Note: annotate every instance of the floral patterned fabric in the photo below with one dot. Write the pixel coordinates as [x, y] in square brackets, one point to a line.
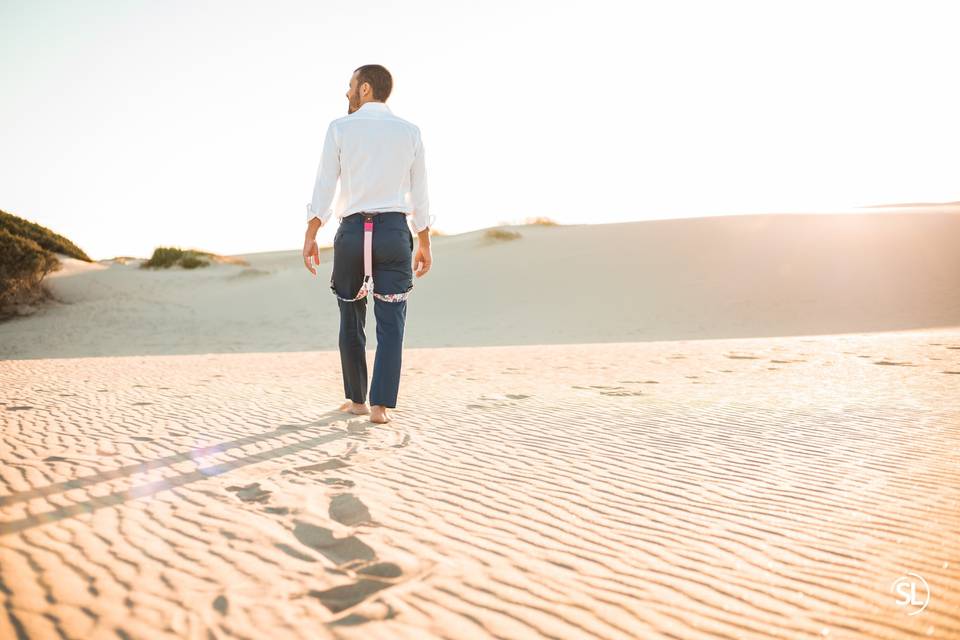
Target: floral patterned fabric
[392, 297]
[366, 287]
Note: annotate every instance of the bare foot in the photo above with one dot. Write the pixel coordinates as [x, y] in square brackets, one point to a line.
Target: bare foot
[356, 408]
[378, 414]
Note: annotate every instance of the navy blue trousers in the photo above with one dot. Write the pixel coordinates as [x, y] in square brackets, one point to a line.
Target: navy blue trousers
[392, 273]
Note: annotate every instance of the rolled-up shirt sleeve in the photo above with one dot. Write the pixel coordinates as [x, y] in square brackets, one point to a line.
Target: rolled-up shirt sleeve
[418, 189]
[328, 173]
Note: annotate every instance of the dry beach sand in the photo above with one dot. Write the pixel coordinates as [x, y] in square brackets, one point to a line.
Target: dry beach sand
[723, 277]
[705, 489]
[573, 481]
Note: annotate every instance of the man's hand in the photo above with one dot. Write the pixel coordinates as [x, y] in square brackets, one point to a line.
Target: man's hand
[423, 260]
[311, 255]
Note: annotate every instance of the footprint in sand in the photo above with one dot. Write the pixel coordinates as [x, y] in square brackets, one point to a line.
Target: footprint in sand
[19, 407]
[364, 445]
[293, 553]
[372, 577]
[351, 557]
[381, 570]
[370, 439]
[895, 364]
[338, 482]
[404, 441]
[347, 509]
[734, 356]
[345, 596]
[250, 493]
[340, 551]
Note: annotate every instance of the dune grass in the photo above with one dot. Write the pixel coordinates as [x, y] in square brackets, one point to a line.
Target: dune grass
[23, 263]
[166, 257]
[26, 256]
[500, 234]
[44, 237]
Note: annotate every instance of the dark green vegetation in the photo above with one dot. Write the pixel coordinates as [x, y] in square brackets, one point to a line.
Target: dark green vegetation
[27, 255]
[501, 234]
[166, 257]
[45, 238]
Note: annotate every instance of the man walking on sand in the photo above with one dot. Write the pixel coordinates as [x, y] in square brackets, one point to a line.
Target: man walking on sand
[379, 161]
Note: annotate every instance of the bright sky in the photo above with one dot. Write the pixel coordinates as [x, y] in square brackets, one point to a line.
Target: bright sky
[125, 125]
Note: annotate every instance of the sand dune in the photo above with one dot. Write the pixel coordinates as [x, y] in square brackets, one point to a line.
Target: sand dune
[761, 488]
[637, 482]
[697, 278]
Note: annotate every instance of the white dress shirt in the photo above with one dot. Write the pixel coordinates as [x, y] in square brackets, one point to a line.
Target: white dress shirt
[378, 158]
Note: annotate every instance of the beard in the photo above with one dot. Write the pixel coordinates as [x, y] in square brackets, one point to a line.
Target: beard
[353, 105]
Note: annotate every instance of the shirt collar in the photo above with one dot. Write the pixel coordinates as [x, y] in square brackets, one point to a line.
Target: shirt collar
[373, 105]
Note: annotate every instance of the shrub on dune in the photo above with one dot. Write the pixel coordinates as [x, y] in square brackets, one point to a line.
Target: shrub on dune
[166, 257]
[192, 262]
[45, 238]
[23, 264]
[501, 234]
[27, 254]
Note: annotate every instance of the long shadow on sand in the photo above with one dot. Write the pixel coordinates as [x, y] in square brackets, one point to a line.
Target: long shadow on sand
[150, 488]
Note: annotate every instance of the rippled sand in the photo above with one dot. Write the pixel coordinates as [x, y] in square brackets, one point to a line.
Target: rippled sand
[744, 488]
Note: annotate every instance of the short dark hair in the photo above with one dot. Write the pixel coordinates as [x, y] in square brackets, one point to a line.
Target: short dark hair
[379, 78]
